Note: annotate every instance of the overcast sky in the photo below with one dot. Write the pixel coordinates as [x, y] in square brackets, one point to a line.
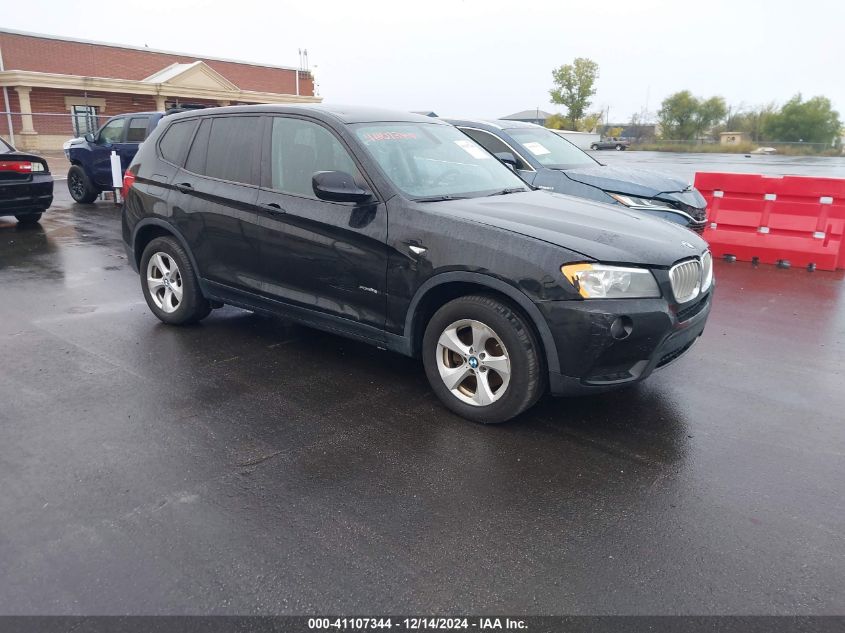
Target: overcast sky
[488, 58]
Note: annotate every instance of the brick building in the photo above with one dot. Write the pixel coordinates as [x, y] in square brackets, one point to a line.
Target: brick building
[57, 88]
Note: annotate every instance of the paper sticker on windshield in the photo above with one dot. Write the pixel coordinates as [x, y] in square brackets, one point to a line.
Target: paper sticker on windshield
[389, 136]
[472, 149]
[536, 148]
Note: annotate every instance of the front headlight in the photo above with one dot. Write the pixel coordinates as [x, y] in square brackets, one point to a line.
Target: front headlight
[633, 202]
[597, 281]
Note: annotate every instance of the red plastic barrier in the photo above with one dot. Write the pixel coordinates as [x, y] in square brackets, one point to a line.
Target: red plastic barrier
[791, 219]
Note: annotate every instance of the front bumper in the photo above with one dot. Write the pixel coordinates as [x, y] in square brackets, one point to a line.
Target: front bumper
[33, 195]
[593, 360]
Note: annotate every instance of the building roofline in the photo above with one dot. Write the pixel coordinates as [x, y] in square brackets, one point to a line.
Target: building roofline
[62, 38]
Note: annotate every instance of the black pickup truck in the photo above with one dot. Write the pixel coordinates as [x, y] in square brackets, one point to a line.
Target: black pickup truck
[611, 143]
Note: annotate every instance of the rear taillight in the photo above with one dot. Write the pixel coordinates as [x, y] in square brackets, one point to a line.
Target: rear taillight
[128, 181]
[20, 166]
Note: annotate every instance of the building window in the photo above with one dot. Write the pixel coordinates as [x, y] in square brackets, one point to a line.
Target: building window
[84, 119]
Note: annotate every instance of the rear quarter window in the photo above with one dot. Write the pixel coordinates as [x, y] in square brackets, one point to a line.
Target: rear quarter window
[173, 145]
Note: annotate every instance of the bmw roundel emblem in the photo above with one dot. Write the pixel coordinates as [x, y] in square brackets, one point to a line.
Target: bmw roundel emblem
[687, 244]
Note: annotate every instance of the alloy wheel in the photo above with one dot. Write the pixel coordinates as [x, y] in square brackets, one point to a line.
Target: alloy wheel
[77, 187]
[164, 282]
[473, 362]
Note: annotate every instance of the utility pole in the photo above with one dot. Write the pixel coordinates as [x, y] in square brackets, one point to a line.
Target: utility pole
[6, 100]
[298, 68]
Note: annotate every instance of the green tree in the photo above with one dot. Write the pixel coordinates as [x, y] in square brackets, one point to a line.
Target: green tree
[677, 116]
[709, 113]
[812, 121]
[574, 84]
[589, 122]
[752, 122]
[683, 116]
[557, 122]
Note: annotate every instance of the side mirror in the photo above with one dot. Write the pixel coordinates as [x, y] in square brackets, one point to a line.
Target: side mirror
[338, 186]
[508, 159]
[90, 137]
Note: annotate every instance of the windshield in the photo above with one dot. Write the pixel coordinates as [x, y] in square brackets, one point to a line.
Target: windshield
[431, 161]
[550, 149]
[5, 148]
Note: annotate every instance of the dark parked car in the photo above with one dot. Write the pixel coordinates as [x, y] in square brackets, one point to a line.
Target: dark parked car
[397, 230]
[90, 156]
[548, 161]
[611, 143]
[26, 185]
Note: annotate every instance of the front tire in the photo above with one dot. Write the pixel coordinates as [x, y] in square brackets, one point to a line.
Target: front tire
[80, 187]
[170, 284]
[28, 219]
[619, 148]
[482, 359]
[594, 147]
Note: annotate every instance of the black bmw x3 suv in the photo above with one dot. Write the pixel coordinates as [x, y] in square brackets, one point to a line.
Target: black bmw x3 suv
[399, 230]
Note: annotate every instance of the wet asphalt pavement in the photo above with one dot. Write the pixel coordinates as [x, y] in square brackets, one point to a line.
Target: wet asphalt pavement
[685, 165]
[247, 465]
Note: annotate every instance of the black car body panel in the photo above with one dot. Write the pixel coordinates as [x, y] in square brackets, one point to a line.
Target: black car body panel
[24, 193]
[597, 231]
[592, 180]
[376, 270]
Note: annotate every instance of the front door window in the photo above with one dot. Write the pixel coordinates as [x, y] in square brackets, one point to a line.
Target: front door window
[112, 132]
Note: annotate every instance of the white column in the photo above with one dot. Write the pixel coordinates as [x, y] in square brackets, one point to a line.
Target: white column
[26, 109]
[223, 103]
[160, 103]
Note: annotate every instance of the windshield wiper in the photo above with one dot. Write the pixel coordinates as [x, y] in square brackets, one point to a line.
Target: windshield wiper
[439, 198]
[504, 192]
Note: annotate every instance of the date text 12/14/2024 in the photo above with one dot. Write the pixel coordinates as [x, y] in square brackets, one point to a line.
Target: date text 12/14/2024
[416, 623]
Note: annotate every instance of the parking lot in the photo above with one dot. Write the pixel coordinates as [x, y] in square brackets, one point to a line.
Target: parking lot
[684, 165]
[246, 465]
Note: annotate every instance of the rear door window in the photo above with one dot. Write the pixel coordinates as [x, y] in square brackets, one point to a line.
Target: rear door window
[199, 149]
[232, 148]
[137, 131]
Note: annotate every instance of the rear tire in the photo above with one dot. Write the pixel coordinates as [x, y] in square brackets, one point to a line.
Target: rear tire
[170, 284]
[594, 147]
[80, 187]
[482, 359]
[619, 148]
[28, 218]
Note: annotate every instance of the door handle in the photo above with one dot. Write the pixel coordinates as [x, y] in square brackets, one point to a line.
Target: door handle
[274, 208]
[185, 187]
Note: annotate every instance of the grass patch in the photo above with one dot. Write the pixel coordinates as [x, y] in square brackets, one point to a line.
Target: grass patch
[741, 148]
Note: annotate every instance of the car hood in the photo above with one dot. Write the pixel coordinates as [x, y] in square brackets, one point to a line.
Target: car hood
[595, 230]
[79, 140]
[635, 182]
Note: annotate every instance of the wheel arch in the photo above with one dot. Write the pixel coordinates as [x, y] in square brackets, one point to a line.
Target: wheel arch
[149, 229]
[442, 288]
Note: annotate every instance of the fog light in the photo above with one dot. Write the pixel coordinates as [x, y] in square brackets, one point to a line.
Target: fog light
[621, 328]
